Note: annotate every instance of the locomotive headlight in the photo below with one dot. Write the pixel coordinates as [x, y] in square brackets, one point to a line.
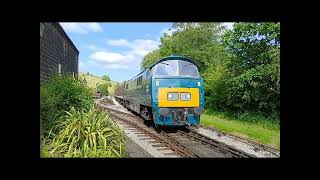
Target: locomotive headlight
[173, 96]
[185, 96]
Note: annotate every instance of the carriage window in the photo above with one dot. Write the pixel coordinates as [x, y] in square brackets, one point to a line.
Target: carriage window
[139, 81]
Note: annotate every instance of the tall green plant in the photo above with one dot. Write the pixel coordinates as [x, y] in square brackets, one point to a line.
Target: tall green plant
[85, 134]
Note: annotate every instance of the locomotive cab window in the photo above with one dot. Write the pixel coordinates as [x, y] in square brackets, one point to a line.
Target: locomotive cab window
[188, 69]
[175, 68]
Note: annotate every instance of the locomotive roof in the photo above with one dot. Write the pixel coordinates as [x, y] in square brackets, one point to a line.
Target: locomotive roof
[174, 57]
[171, 57]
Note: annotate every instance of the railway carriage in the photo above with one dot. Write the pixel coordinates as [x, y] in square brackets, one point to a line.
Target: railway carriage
[170, 92]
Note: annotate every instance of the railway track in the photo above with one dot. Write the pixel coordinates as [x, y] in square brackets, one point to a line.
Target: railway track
[161, 138]
[184, 143]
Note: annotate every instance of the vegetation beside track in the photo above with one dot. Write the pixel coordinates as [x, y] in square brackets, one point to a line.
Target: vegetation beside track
[70, 124]
[248, 126]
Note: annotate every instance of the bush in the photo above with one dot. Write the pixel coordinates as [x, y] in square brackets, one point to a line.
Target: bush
[59, 95]
[104, 88]
[85, 134]
[215, 88]
[255, 90]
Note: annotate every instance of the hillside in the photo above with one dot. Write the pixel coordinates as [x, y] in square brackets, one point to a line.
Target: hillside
[92, 80]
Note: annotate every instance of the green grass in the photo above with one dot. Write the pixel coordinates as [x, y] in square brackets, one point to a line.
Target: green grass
[93, 80]
[248, 126]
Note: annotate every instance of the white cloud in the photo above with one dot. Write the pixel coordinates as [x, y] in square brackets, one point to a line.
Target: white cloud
[119, 42]
[129, 59]
[109, 57]
[92, 47]
[81, 28]
[116, 66]
[141, 47]
[138, 47]
[228, 25]
[112, 61]
[167, 31]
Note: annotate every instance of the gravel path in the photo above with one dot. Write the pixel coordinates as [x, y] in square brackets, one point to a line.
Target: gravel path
[232, 141]
[116, 106]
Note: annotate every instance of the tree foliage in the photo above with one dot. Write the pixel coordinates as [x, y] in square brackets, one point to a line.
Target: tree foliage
[198, 41]
[255, 67]
[103, 88]
[106, 78]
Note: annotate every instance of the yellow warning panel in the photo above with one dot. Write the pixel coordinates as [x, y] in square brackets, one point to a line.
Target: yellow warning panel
[164, 102]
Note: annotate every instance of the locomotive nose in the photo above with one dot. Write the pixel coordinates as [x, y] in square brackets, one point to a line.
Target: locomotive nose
[178, 97]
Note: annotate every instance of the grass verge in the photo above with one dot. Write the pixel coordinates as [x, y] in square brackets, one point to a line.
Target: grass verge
[248, 126]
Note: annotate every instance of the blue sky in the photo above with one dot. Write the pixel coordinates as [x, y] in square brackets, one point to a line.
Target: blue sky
[115, 49]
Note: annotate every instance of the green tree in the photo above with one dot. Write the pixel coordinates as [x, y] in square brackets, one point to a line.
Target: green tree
[103, 88]
[106, 78]
[251, 44]
[150, 58]
[199, 41]
[255, 67]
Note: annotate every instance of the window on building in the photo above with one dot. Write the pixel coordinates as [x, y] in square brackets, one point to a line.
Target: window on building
[65, 51]
[59, 69]
[41, 29]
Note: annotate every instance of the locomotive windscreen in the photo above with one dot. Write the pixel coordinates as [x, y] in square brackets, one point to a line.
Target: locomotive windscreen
[175, 68]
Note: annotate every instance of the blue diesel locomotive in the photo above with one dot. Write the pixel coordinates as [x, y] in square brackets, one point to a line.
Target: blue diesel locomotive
[170, 92]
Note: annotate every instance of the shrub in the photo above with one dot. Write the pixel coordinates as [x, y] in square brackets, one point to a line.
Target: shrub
[85, 134]
[59, 95]
[104, 88]
[255, 90]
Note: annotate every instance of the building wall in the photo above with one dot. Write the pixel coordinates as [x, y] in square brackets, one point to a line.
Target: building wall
[56, 48]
